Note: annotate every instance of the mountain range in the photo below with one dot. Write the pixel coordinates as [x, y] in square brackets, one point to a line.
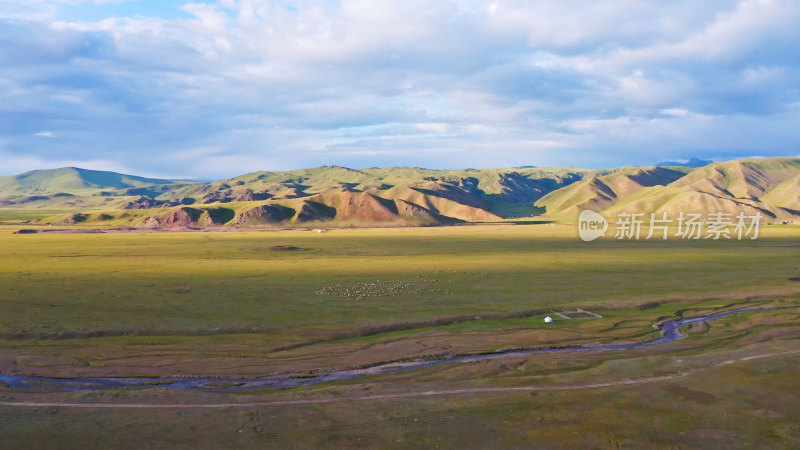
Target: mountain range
[339, 196]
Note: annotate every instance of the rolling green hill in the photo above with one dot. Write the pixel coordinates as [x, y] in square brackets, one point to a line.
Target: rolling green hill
[768, 186]
[73, 188]
[73, 179]
[392, 196]
[603, 192]
[340, 196]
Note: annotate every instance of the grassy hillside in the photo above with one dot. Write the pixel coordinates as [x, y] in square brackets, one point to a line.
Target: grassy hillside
[72, 188]
[73, 179]
[769, 186]
[602, 192]
[766, 186]
[493, 189]
[393, 196]
[339, 196]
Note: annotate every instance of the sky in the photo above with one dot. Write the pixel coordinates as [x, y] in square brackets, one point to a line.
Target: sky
[216, 89]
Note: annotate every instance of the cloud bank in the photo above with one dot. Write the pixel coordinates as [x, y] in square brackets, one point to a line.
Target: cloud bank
[221, 88]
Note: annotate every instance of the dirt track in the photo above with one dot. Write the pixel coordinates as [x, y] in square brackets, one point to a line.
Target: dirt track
[630, 381]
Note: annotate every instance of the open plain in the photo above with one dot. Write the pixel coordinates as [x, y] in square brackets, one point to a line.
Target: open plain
[296, 303]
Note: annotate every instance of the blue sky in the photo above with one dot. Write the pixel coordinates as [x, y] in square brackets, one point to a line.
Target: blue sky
[94, 11]
[219, 88]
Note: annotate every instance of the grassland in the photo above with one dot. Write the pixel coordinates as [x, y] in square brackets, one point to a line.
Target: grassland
[256, 303]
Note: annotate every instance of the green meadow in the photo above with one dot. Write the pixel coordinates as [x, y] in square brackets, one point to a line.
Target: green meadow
[254, 303]
[79, 299]
[206, 280]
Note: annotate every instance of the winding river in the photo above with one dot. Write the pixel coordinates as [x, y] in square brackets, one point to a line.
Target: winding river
[670, 332]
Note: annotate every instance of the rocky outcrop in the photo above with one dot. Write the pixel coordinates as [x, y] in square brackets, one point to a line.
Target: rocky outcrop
[183, 217]
[263, 215]
[314, 211]
[148, 203]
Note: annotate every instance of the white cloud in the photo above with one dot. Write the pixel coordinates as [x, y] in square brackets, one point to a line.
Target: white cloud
[433, 127]
[237, 84]
[676, 112]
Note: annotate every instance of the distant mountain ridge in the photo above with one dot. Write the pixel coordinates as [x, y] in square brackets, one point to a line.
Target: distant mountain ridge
[73, 178]
[403, 195]
[399, 195]
[602, 192]
[770, 186]
[692, 162]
